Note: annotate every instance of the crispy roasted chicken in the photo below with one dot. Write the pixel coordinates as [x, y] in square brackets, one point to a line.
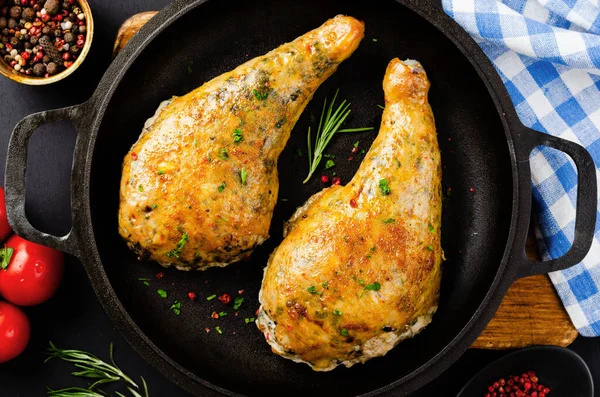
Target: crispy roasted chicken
[199, 186]
[359, 269]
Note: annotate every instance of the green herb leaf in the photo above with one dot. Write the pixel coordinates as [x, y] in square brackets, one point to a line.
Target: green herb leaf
[372, 249]
[176, 307]
[211, 297]
[162, 293]
[222, 314]
[337, 312]
[374, 40]
[329, 164]
[356, 143]
[179, 247]
[381, 107]
[384, 187]
[140, 188]
[249, 320]
[324, 285]
[313, 290]
[221, 187]
[373, 287]
[189, 68]
[161, 172]
[243, 175]
[430, 228]
[389, 220]
[237, 302]
[145, 281]
[223, 154]
[260, 96]
[430, 247]
[218, 329]
[5, 256]
[153, 206]
[238, 135]
[331, 120]
[344, 332]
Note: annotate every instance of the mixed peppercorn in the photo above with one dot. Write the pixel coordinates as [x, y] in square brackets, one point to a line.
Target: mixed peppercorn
[41, 37]
[526, 385]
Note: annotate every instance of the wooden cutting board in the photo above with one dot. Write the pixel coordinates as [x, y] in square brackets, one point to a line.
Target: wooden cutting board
[531, 312]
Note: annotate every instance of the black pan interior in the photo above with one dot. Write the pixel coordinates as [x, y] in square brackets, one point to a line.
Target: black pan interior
[216, 37]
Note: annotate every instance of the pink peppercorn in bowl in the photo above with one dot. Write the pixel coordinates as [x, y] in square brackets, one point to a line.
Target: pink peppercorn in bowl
[40, 46]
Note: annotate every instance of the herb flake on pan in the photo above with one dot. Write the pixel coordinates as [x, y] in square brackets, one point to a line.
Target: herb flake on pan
[162, 293]
[237, 303]
[209, 298]
[145, 281]
[312, 289]
[221, 187]
[330, 122]
[389, 220]
[373, 287]
[249, 320]
[243, 176]
[238, 135]
[176, 307]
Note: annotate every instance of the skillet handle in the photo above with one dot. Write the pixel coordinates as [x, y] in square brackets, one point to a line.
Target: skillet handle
[16, 167]
[585, 219]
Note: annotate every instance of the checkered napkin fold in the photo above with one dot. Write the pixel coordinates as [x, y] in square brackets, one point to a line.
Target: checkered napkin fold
[548, 55]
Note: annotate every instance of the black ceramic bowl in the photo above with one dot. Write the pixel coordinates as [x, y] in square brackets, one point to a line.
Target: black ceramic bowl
[560, 369]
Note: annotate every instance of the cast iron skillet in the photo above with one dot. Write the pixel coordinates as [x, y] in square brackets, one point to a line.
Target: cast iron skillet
[484, 148]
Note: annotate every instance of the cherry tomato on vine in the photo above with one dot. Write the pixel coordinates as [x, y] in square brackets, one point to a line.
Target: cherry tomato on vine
[5, 229]
[14, 331]
[29, 273]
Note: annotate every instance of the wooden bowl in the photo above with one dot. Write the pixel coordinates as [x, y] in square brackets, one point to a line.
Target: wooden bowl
[22, 78]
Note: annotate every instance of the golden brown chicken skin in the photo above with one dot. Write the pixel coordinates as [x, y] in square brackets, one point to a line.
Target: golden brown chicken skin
[359, 269]
[199, 186]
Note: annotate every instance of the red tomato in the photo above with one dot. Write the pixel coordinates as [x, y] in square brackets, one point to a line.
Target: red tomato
[14, 331]
[33, 273]
[5, 229]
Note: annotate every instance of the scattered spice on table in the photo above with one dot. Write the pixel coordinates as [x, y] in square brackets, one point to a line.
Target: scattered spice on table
[41, 37]
[525, 385]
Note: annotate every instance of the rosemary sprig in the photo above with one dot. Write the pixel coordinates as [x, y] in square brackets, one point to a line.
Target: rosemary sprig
[329, 124]
[91, 367]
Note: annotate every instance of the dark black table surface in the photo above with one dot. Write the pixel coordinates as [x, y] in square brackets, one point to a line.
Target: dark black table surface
[74, 318]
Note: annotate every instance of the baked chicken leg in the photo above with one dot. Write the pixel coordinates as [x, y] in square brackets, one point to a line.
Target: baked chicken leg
[359, 268]
[199, 186]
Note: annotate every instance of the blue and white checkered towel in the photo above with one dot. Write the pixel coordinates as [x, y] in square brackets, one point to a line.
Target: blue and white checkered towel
[548, 55]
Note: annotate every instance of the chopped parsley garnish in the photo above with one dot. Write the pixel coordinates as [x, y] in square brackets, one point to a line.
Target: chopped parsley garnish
[211, 297]
[430, 247]
[384, 187]
[160, 172]
[153, 206]
[363, 151]
[324, 284]
[221, 187]
[389, 220]
[381, 107]
[5, 255]
[337, 312]
[344, 332]
[356, 143]
[361, 281]
[144, 280]
[249, 320]
[238, 135]
[140, 188]
[373, 287]
[223, 154]
[372, 249]
[218, 329]
[329, 164]
[430, 227]
[237, 302]
[162, 293]
[176, 307]
[313, 290]
[180, 244]
[222, 314]
[260, 96]
[374, 40]
[243, 175]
